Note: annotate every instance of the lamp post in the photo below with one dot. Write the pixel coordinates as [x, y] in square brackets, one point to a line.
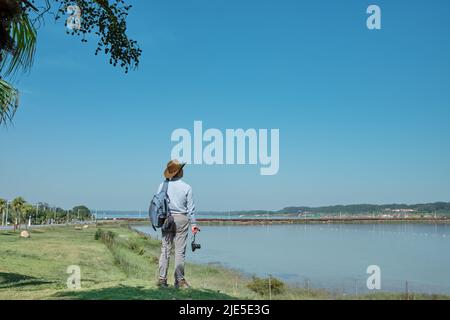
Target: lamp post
[6, 221]
[37, 213]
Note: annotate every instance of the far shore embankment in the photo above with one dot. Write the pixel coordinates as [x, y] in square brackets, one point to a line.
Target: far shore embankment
[332, 220]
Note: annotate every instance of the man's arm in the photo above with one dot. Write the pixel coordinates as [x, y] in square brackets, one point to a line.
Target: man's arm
[190, 206]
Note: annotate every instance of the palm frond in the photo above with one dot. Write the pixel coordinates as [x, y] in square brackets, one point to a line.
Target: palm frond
[23, 34]
[9, 101]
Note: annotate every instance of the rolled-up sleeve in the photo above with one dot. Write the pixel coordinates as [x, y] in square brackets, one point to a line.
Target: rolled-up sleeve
[190, 205]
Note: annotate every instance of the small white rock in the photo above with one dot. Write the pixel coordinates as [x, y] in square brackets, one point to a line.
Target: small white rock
[25, 234]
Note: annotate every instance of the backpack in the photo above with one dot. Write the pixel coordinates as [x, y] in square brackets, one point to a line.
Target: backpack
[159, 208]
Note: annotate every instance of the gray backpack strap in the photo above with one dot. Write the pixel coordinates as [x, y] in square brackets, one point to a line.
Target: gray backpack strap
[165, 186]
[164, 189]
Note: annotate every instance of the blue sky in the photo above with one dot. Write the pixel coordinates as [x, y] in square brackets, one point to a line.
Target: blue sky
[363, 115]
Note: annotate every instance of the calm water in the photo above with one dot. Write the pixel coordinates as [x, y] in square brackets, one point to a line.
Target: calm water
[102, 215]
[333, 256]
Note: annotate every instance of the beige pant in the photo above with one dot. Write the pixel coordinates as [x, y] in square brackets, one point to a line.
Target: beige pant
[179, 239]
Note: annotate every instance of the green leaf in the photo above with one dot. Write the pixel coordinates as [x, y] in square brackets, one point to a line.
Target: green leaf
[9, 101]
[23, 34]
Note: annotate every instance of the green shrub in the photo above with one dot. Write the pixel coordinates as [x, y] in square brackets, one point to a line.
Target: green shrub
[265, 286]
[106, 237]
[98, 234]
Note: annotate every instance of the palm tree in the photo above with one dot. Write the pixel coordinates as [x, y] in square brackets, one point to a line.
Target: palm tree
[17, 48]
[17, 205]
[2, 210]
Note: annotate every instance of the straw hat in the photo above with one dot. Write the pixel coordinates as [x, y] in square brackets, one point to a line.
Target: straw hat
[173, 167]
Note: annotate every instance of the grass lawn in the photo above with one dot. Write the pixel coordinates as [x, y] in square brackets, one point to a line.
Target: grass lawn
[124, 268]
[35, 268]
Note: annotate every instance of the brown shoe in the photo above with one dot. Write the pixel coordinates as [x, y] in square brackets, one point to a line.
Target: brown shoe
[182, 284]
[162, 283]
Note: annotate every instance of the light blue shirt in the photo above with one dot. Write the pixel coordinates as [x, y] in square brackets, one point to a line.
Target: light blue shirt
[181, 199]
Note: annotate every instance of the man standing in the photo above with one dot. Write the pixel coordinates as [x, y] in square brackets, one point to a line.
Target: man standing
[182, 209]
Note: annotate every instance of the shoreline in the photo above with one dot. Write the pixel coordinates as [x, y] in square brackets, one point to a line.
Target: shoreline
[263, 221]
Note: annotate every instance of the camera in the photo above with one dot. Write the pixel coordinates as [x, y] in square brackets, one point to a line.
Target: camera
[195, 246]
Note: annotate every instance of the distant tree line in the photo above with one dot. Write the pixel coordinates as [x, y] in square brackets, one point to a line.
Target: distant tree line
[18, 211]
[424, 208]
[436, 207]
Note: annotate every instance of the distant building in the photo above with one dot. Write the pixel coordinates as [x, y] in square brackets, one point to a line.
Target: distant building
[400, 210]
